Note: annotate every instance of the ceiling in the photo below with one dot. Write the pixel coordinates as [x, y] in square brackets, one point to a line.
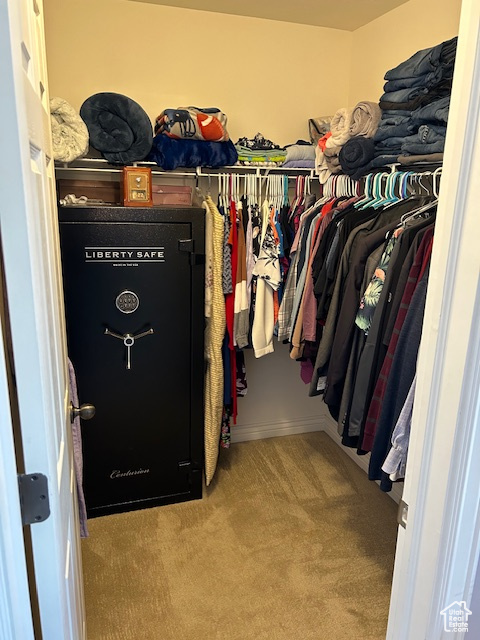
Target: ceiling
[335, 14]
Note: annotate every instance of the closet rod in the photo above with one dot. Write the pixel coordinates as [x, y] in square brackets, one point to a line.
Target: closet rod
[99, 164]
[108, 170]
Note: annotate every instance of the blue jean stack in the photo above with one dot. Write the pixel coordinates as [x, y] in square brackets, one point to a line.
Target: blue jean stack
[415, 107]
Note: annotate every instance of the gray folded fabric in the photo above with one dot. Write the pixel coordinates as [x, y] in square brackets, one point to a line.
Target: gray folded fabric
[332, 152]
[299, 164]
[300, 152]
[340, 126]
[69, 132]
[332, 159]
[365, 119]
[321, 166]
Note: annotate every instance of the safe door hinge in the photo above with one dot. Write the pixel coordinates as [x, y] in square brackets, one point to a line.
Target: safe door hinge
[402, 515]
[188, 246]
[34, 502]
[188, 466]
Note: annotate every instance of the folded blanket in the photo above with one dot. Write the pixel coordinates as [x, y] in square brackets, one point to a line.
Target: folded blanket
[192, 123]
[256, 155]
[300, 152]
[118, 127]
[356, 153]
[318, 127]
[365, 118]
[299, 164]
[169, 153]
[331, 157]
[259, 163]
[340, 126]
[69, 132]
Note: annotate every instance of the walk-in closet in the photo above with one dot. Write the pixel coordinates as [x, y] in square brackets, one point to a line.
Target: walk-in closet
[268, 306]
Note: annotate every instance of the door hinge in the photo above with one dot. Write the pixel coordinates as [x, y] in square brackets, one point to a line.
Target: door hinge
[188, 246]
[188, 466]
[34, 502]
[402, 514]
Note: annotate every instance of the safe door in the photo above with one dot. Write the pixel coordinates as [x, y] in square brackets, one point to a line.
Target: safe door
[133, 287]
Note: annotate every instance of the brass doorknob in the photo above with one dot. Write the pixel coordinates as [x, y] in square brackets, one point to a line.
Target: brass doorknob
[85, 411]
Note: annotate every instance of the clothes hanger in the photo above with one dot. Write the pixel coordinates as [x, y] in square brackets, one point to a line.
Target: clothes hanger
[435, 174]
[383, 190]
[391, 196]
[366, 197]
[372, 196]
[420, 211]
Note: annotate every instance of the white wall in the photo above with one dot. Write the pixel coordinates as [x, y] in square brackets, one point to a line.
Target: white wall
[277, 401]
[266, 75]
[385, 42]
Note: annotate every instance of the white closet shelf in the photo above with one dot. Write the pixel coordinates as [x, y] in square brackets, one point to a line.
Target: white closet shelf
[101, 165]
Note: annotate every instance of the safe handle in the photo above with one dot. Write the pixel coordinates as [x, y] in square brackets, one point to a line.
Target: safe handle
[84, 411]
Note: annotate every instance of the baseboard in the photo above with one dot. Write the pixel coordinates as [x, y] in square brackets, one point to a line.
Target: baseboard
[330, 428]
[258, 431]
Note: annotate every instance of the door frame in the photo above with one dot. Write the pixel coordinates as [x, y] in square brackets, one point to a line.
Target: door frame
[437, 554]
[38, 348]
[16, 619]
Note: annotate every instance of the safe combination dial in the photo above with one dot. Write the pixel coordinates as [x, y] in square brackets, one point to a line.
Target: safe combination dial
[127, 301]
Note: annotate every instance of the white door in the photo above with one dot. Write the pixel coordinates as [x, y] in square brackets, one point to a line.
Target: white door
[437, 553]
[29, 233]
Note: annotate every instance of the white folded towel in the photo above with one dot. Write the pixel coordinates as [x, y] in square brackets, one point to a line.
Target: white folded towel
[69, 132]
[340, 126]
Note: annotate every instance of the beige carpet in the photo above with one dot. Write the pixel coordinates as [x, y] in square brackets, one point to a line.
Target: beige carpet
[290, 542]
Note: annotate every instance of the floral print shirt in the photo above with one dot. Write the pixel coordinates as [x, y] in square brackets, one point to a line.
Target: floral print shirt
[369, 301]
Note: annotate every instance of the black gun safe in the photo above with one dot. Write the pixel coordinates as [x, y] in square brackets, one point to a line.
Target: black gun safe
[134, 296]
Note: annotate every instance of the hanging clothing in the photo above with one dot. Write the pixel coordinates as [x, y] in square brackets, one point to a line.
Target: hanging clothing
[365, 242]
[421, 261]
[214, 333]
[374, 350]
[231, 214]
[399, 382]
[267, 272]
[396, 461]
[77, 452]
[241, 306]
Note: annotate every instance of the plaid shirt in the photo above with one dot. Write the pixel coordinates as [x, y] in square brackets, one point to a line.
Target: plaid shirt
[414, 277]
[396, 461]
